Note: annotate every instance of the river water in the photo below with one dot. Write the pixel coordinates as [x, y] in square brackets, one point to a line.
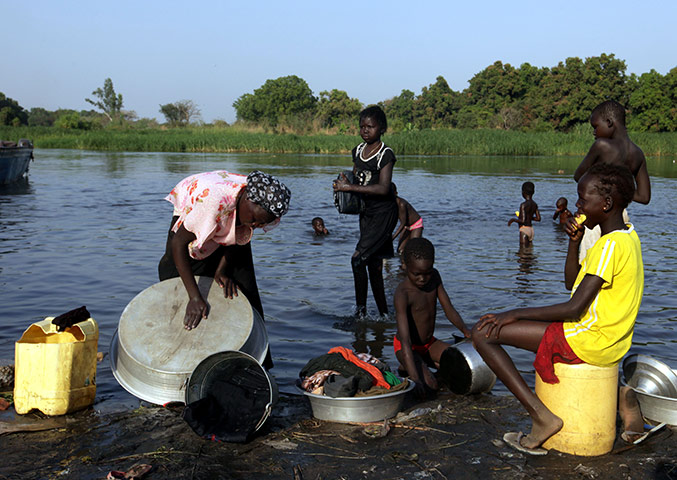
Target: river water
[88, 228]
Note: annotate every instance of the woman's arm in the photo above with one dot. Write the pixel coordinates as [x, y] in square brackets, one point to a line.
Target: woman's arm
[224, 281]
[197, 308]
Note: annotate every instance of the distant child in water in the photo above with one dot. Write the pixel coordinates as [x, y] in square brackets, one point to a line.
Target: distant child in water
[594, 326]
[411, 223]
[562, 211]
[613, 145]
[373, 163]
[416, 299]
[318, 227]
[527, 213]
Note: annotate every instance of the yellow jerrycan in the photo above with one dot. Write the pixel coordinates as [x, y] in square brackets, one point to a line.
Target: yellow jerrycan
[55, 372]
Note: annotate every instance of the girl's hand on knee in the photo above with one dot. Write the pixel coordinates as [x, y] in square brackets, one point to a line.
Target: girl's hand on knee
[494, 322]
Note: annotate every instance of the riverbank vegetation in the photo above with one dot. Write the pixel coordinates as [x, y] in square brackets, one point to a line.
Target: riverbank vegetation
[415, 142]
[504, 111]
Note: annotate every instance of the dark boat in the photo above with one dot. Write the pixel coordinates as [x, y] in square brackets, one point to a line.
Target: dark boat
[14, 160]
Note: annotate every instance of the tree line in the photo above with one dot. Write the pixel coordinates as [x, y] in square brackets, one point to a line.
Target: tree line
[524, 98]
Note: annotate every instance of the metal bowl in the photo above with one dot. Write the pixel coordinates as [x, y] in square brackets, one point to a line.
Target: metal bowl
[647, 375]
[357, 409]
[655, 385]
[152, 356]
[464, 370]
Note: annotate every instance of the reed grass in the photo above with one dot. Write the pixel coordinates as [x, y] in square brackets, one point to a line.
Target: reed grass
[423, 142]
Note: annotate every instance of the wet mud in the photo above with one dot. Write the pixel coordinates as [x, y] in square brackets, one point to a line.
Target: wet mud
[450, 437]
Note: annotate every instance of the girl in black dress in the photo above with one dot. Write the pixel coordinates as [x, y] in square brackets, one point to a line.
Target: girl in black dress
[373, 168]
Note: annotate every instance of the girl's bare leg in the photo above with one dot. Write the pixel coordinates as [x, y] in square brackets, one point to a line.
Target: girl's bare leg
[524, 334]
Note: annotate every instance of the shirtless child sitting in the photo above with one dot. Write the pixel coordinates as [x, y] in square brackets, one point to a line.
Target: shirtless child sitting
[416, 298]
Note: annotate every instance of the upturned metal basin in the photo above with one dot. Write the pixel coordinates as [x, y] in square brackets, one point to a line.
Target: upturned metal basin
[152, 356]
[655, 384]
[357, 409]
[464, 370]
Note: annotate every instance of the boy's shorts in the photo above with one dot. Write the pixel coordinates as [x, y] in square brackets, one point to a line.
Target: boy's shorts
[422, 349]
[528, 231]
[553, 348]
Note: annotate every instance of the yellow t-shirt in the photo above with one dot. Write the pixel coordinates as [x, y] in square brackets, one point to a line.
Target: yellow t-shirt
[603, 334]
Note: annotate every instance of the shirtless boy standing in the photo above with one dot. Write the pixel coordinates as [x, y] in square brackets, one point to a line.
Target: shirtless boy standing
[613, 145]
[527, 213]
[416, 298]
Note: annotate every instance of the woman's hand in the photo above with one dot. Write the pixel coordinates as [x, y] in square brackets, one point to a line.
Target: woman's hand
[341, 183]
[196, 310]
[227, 283]
[495, 321]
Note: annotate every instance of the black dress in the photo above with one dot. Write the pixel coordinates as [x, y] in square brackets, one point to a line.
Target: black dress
[380, 215]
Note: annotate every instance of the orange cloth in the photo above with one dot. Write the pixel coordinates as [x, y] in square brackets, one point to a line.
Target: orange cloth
[349, 355]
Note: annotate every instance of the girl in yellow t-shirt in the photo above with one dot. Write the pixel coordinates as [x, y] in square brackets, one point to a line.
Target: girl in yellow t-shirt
[595, 325]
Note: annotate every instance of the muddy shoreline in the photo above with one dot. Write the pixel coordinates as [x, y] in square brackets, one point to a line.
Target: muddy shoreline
[457, 437]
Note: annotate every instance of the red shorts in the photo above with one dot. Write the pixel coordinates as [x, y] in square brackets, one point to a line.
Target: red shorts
[422, 349]
[553, 348]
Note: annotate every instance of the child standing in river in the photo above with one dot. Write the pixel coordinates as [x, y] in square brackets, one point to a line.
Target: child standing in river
[613, 145]
[527, 213]
[411, 223]
[373, 163]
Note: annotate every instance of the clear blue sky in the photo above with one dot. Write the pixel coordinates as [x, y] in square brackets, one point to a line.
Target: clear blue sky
[55, 53]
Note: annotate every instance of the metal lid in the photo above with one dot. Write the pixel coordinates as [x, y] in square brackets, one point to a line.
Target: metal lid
[152, 355]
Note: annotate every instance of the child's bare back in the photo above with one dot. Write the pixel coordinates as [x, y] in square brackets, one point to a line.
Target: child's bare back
[613, 145]
[528, 210]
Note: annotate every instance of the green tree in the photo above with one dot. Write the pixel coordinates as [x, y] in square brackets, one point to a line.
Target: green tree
[436, 105]
[11, 113]
[109, 102]
[652, 103]
[336, 108]
[72, 121]
[574, 88]
[275, 100]
[39, 117]
[180, 113]
[400, 110]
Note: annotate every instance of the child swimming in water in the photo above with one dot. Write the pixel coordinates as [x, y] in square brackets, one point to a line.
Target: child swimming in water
[319, 230]
[562, 211]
